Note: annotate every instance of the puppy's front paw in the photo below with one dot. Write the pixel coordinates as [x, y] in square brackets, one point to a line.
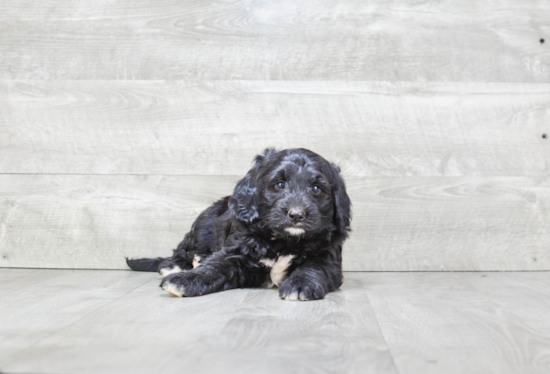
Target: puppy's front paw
[173, 285]
[183, 284]
[301, 290]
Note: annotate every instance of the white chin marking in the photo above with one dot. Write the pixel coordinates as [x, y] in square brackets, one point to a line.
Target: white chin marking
[167, 271]
[294, 231]
[174, 290]
[196, 261]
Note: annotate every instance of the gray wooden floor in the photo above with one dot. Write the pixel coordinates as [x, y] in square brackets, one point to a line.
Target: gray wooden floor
[91, 321]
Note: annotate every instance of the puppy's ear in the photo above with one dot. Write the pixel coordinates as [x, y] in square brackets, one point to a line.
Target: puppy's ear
[244, 201]
[341, 201]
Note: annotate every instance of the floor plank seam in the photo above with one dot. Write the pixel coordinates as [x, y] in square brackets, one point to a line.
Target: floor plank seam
[382, 333]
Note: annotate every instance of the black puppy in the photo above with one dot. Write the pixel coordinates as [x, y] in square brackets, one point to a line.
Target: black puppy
[284, 227]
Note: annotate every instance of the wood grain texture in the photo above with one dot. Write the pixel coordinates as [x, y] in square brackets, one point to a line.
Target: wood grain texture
[464, 322]
[238, 331]
[400, 224]
[408, 323]
[284, 40]
[216, 128]
[37, 303]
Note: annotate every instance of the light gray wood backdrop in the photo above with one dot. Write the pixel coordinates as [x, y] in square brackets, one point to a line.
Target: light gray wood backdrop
[377, 40]
[120, 122]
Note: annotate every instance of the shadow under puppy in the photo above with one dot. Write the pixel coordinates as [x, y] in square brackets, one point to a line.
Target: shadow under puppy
[284, 227]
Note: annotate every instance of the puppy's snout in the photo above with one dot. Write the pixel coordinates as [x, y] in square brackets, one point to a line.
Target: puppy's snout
[297, 214]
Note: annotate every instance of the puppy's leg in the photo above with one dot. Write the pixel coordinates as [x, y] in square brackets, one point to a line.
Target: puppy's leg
[220, 271]
[178, 264]
[314, 279]
[174, 265]
[205, 235]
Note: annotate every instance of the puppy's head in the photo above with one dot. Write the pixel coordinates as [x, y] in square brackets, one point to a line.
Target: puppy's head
[293, 193]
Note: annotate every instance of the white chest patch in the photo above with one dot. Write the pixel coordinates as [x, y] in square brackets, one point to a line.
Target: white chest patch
[278, 269]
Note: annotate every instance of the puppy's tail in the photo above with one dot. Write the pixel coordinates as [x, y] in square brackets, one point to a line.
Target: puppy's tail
[145, 264]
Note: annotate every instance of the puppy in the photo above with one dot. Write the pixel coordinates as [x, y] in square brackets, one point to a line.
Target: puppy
[284, 226]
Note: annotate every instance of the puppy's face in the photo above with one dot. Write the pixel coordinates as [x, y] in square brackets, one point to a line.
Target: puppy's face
[297, 198]
[293, 193]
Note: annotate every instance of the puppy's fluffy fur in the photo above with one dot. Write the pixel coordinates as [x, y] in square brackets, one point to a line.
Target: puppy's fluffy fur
[284, 226]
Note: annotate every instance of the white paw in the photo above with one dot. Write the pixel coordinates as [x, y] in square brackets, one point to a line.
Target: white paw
[293, 296]
[167, 271]
[177, 291]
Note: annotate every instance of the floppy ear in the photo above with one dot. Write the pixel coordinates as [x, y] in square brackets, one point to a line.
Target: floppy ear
[341, 201]
[244, 201]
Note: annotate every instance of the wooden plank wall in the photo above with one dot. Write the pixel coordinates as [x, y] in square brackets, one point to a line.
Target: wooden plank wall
[120, 121]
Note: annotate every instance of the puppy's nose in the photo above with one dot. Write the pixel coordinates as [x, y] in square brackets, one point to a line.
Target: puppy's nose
[296, 214]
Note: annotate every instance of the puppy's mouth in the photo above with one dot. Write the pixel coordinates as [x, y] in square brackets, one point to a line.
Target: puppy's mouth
[295, 230]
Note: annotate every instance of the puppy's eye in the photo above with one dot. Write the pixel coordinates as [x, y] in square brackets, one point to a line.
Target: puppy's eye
[280, 186]
[315, 189]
